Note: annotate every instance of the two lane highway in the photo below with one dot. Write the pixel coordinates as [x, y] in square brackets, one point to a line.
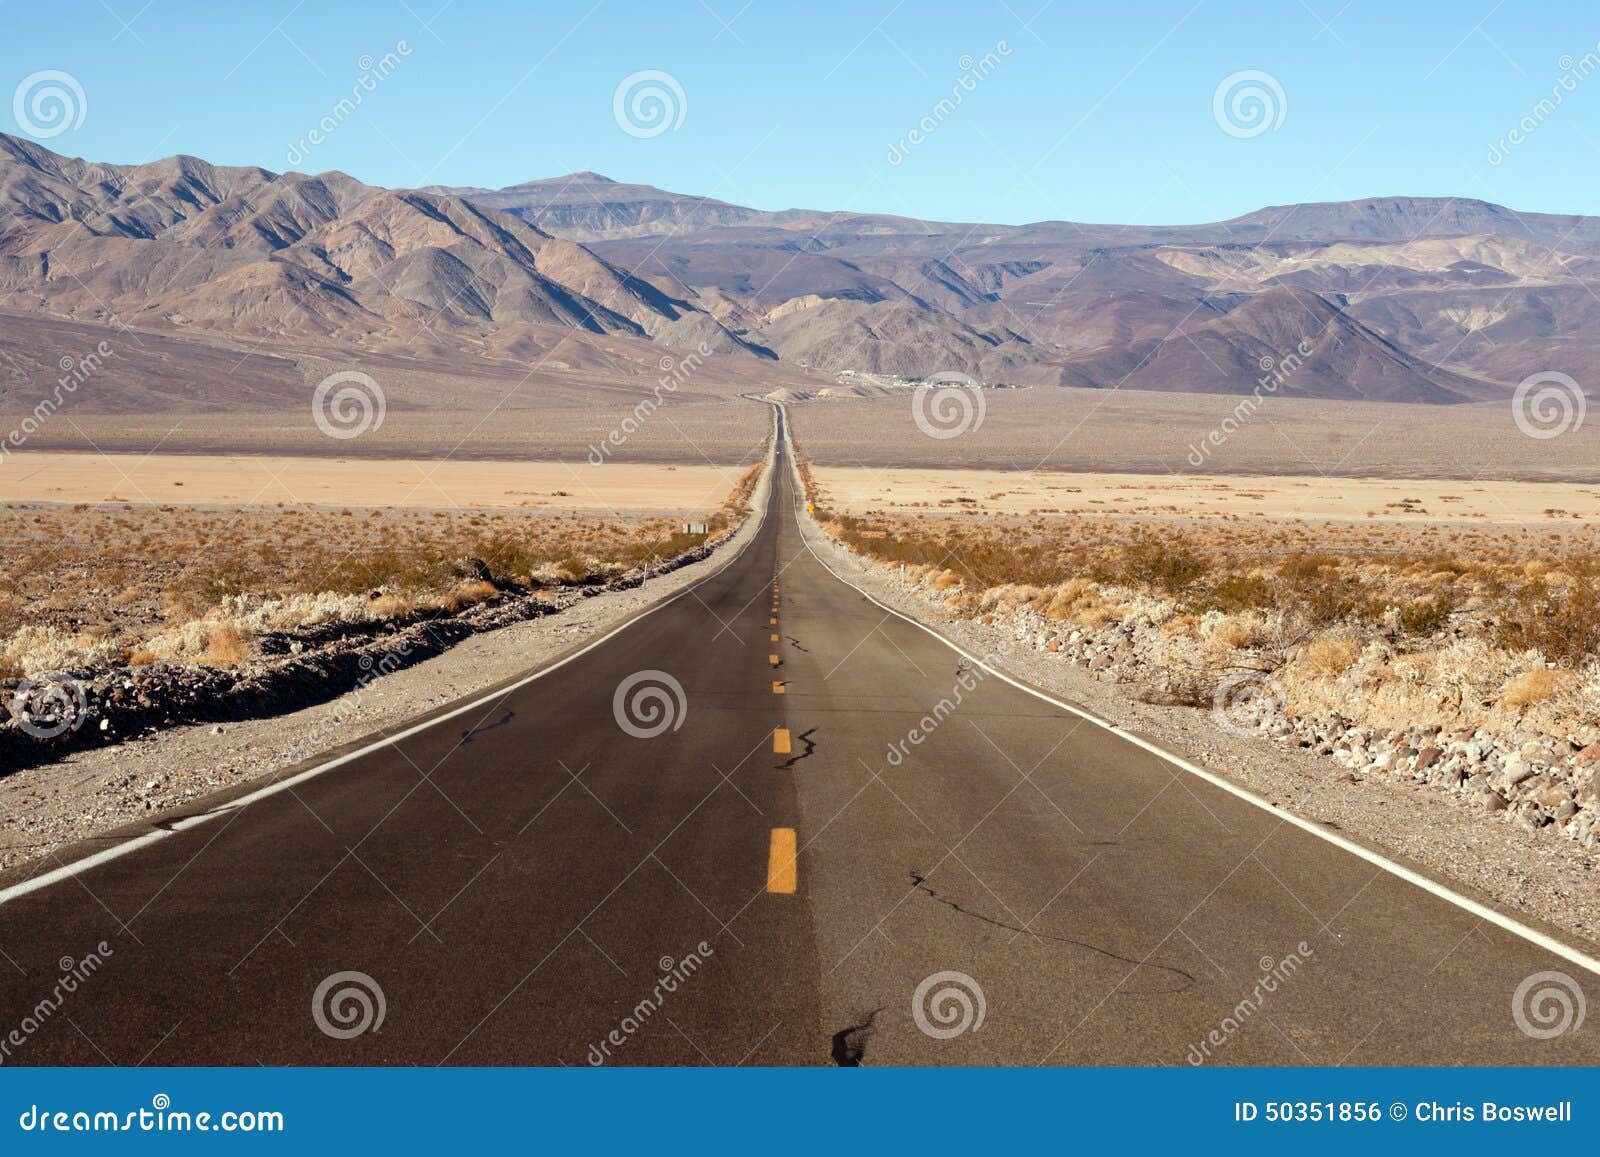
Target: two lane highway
[769, 822]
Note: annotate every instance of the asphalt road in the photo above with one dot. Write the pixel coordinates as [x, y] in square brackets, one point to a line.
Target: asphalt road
[533, 883]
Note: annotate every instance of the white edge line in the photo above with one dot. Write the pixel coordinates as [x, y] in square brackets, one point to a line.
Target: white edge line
[77, 867]
[1433, 887]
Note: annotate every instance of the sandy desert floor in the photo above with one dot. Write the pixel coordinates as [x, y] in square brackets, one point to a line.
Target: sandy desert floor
[198, 479]
[859, 490]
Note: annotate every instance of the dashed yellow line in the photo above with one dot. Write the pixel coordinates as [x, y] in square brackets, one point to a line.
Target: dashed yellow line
[783, 869]
[774, 637]
[772, 622]
[773, 659]
[777, 687]
[780, 741]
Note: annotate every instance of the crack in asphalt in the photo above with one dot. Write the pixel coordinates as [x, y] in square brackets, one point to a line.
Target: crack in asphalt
[468, 736]
[920, 883]
[850, 1044]
[811, 746]
[795, 643]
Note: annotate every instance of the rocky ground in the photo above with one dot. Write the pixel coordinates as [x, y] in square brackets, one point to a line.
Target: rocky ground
[156, 768]
[1508, 817]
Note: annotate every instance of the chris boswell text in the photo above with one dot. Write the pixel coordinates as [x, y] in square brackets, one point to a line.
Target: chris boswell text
[1423, 1112]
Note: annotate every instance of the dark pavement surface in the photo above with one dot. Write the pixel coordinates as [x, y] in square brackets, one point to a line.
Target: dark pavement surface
[519, 880]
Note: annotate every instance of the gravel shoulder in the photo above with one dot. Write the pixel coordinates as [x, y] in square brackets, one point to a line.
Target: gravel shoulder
[1544, 881]
[55, 813]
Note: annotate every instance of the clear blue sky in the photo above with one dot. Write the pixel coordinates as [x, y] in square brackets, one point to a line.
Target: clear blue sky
[1100, 112]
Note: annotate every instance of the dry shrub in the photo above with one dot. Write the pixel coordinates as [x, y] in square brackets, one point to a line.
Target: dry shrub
[1425, 616]
[1238, 592]
[1562, 623]
[1071, 599]
[1329, 655]
[946, 580]
[393, 606]
[1171, 566]
[141, 658]
[226, 646]
[468, 594]
[1237, 631]
[1534, 687]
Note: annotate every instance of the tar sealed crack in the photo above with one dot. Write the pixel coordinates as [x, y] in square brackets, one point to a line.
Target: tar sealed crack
[469, 736]
[805, 738]
[1177, 979]
[850, 1044]
[795, 643]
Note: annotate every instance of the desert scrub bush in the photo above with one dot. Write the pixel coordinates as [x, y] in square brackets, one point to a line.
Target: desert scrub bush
[1561, 623]
[1317, 588]
[1328, 655]
[1171, 566]
[1235, 591]
[1534, 687]
[1423, 617]
[227, 645]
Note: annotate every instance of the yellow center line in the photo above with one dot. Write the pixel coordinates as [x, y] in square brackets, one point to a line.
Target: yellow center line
[777, 687]
[773, 659]
[783, 872]
[780, 741]
[774, 637]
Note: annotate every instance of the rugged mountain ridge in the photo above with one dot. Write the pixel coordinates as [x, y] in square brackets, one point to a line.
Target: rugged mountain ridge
[1410, 299]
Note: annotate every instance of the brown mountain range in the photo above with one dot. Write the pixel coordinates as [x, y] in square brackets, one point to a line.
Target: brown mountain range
[1398, 299]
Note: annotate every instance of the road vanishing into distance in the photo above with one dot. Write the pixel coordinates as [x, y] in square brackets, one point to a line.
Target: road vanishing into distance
[690, 844]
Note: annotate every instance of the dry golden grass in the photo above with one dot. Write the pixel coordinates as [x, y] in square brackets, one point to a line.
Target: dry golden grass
[1534, 687]
[1328, 655]
[99, 583]
[1466, 624]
